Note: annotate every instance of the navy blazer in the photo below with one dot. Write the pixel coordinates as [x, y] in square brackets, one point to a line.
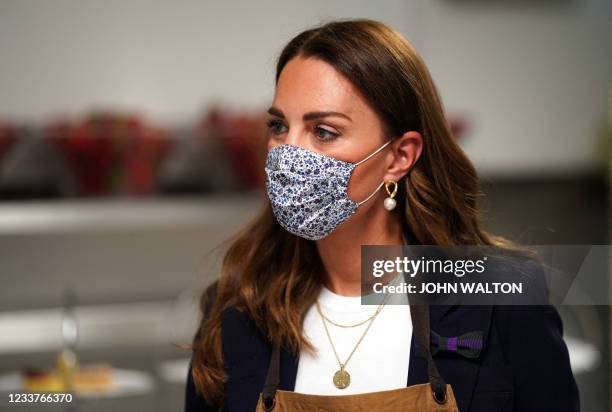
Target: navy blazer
[524, 365]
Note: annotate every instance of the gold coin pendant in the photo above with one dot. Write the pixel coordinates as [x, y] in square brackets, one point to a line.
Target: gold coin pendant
[342, 379]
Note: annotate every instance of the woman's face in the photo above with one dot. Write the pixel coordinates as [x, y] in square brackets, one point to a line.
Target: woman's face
[317, 108]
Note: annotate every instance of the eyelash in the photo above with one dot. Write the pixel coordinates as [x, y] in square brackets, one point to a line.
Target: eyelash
[273, 124]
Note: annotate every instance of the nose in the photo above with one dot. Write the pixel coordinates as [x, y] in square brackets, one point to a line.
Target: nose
[294, 137]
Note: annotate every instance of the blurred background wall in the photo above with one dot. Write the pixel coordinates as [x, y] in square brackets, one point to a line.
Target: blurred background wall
[533, 74]
[131, 152]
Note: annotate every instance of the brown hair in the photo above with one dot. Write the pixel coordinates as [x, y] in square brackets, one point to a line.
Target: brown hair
[274, 276]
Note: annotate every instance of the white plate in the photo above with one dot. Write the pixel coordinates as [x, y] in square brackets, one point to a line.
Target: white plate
[126, 382]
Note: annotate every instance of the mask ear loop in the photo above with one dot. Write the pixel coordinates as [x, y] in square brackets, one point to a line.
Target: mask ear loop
[363, 160]
[373, 153]
[373, 193]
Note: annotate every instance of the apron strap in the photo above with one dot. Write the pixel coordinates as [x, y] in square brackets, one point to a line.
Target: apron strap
[420, 325]
[272, 379]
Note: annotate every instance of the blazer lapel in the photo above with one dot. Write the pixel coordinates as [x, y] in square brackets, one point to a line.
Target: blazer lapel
[459, 372]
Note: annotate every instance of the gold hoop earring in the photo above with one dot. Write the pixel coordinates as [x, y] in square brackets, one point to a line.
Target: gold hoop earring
[390, 202]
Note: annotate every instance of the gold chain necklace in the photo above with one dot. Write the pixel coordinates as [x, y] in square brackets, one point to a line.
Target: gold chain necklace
[353, 325]
[358, 323]
[342, 378]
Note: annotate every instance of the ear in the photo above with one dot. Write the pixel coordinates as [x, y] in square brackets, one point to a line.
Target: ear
[406, 151]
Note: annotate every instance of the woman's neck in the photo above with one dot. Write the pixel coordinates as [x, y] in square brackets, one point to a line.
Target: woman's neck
[340, 251]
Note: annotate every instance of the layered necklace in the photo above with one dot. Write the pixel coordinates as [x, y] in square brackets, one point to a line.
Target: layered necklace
[342, 378]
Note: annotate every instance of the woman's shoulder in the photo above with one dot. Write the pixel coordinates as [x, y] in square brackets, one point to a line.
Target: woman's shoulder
[524, 270]
[532, 346]
[244, 349]
[235, 321]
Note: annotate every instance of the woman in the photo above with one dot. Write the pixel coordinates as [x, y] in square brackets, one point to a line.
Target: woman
[360, 153]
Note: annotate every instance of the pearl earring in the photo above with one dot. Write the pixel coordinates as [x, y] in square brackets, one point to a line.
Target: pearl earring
[390, 202]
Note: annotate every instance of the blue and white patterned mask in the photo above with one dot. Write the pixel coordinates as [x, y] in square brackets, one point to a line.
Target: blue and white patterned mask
[308, 190]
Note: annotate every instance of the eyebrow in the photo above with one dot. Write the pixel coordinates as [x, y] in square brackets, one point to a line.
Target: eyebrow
[310, 115]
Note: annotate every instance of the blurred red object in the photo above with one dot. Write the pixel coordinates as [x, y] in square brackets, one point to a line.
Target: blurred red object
[110, 153]
[242, 137]
[89, 154]
[147, 150]
[8, 136]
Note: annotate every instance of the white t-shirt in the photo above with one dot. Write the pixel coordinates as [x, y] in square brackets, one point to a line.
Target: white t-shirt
[381, 359]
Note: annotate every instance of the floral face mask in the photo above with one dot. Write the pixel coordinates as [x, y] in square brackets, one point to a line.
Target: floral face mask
[308, 190]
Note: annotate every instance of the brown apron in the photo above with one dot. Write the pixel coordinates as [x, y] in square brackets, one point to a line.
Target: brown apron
[436, 395]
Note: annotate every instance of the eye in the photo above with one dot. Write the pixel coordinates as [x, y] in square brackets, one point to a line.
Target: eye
[325, 134]
[276, 127]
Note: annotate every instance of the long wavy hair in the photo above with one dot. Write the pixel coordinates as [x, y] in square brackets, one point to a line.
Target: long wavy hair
[275, 276]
